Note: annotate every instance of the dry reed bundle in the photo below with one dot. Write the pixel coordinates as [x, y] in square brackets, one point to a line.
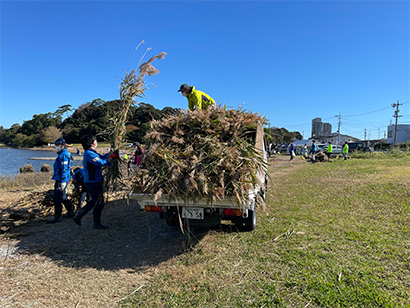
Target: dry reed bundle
[33, 206]
[133, 86]
[202, 154]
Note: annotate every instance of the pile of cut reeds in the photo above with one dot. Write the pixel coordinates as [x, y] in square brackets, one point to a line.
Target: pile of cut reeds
[34, 206]
[203, 154]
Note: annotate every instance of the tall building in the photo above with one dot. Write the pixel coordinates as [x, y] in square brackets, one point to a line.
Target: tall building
[319, 128]
[316, 127]
[326, 128]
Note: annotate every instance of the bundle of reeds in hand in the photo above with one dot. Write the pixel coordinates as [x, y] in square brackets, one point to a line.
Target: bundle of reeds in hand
[202, 154]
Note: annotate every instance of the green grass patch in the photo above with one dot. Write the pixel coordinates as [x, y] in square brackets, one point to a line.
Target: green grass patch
[333, 235]
[393, 153]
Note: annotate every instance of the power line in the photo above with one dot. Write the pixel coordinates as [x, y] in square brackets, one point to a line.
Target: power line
[369, 112]
[349, 122]
[356, 115]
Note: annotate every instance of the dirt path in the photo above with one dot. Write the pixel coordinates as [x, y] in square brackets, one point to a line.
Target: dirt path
[64, 265]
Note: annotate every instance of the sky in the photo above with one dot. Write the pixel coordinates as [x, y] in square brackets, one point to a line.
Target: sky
[291, 61]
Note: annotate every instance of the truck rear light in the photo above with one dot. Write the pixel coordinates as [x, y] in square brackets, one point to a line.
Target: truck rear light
[232, 212]
[152, 208]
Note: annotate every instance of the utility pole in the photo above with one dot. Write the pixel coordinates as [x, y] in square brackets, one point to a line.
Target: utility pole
[365, 134]
[379, 133]
[396, 115]
[338, 127]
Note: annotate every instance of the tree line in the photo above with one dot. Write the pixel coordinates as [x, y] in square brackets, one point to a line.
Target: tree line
[89, 118]
[95, 118]
[281, 135]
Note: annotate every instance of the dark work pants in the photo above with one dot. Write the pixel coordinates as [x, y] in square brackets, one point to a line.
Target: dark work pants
[58, 199]
[96, 200]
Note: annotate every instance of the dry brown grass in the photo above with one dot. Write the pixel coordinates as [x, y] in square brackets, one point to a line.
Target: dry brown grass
[64, 265]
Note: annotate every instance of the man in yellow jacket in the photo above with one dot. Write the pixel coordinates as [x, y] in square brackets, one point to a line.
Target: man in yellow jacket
[345, 150]
[196, 99]
[329, 151]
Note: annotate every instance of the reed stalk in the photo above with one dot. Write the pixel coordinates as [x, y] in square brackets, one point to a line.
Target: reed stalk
[132, 87]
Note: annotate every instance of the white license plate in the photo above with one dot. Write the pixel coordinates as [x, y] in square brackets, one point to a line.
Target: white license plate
[193, 213]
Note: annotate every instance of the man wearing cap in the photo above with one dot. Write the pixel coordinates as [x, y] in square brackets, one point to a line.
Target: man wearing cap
[196, 99]
[61, 176]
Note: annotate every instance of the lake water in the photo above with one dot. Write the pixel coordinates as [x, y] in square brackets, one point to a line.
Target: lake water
[12, 159]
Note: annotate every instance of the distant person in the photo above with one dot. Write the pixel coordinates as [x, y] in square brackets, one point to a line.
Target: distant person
[78, 152]
[61, 176]
[292, 151]
[79, 186]
[93, 180]
[313, 151]
[270, 149]
[125, 155]
[345, 150]
[139, 152]
[329, 151]
[305, 151]
[196, 99]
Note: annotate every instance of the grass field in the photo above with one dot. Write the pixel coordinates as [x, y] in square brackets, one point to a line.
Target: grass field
[333, 235]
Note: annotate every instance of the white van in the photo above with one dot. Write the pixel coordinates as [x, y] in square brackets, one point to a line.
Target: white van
[337, 149]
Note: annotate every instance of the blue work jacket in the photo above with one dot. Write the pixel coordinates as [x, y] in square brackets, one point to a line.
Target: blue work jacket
[62, 166]
[92, 163]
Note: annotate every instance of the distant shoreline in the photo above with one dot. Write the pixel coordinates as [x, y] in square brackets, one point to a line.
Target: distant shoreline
[72, 150]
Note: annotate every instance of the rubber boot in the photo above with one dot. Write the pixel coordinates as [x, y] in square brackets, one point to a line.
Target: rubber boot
[70, 209]
[98, 225]
[79, 215]
[57, 217]
[54, 220]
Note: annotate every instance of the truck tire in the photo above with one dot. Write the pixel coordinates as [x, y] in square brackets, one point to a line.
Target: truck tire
[172, 222]
[171, 217]
[249, 224]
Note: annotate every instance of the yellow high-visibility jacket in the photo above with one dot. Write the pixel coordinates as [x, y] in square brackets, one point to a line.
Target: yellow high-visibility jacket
[329, 148]
[199, 100]
[345, 148]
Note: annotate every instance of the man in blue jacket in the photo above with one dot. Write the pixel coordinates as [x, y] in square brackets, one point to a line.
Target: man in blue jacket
[61, 176]
[291, 150]
[93, 180]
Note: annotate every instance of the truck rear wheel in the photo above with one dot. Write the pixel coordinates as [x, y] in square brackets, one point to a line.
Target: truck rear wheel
[171, 217]
[172, 221]
[248, 224]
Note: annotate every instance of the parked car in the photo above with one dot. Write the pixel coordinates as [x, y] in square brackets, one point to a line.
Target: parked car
[337, 149]
[359, 147]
